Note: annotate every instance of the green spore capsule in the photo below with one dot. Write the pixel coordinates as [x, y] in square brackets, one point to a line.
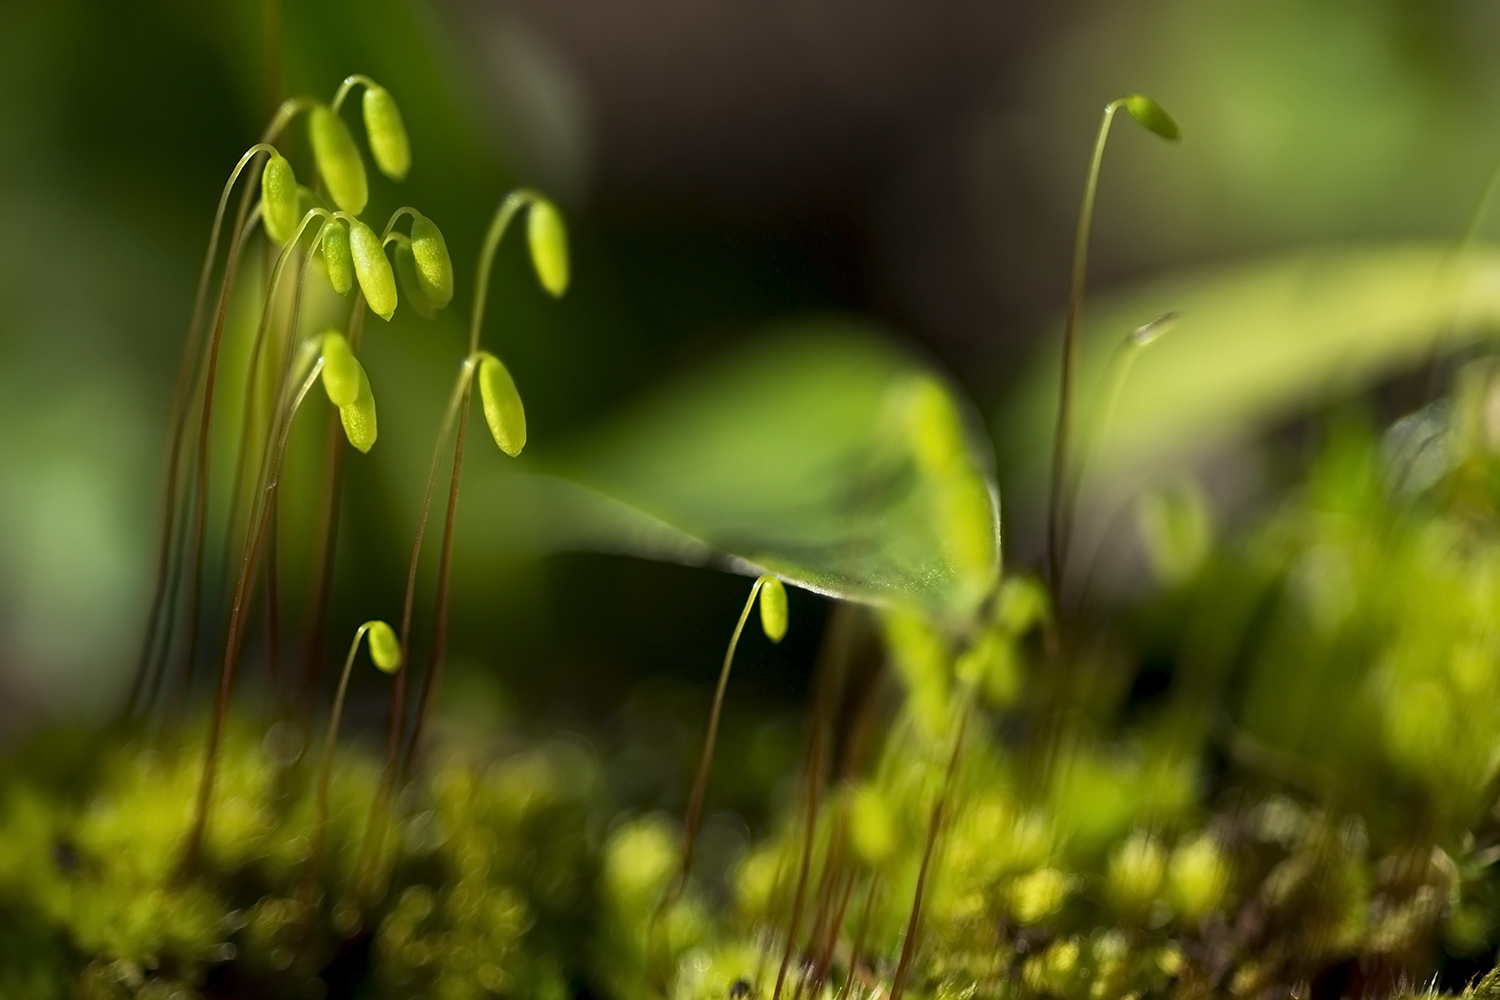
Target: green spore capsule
[279, 211]
[411, 281]
[358, 417]
[388, 141]
[773, 619]
[376, 279]
[385, 651]
[341, 372]
[502, 405]
[337, 258]
[1152, 116]
[549, 247]
[338, 160]
[434, 266]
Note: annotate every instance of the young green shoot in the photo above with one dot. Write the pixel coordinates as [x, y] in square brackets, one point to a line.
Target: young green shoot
[1153, 117]
[773, 622]
[503, 413]
[385, 653]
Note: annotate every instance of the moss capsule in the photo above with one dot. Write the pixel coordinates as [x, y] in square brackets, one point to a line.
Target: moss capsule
[340, 370]
[358, 417]
[376, 279]
[1153, 116]
[502, 405]
[411, 281]
[279, 210]
[387, 132]
[773, 618]
[549, 246]
[338, 159]
[385, 651]
[336, 257]
[434, 266]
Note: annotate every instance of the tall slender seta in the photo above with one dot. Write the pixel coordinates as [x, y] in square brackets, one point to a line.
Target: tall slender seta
[507, 422]
[249, 561]
[1153, 117]
[506, 418]
[773, 621]
[385, 653]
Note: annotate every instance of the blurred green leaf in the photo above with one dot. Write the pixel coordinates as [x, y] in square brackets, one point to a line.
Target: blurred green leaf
[1257, 342]
[811, 455]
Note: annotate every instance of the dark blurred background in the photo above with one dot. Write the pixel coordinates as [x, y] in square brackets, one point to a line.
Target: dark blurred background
[721, 165]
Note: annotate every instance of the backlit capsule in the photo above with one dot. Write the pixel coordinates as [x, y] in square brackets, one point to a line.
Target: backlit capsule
[1153, 116]
[336, 257]
[376, 279]
[387, 132]
[385, 651]
[434, 266]
[340, 370]
[338, 159]
[502, 405]
[358, 417]
[278, 199]
[411, 281]
[773, 618]
[549, 246]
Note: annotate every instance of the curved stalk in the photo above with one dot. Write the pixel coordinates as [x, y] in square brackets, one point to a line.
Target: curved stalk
[1057, 528]
[694, 814]
[248, 562]
[179, 410]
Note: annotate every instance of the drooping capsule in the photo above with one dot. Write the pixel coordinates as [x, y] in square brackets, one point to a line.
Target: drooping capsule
[336, 257]
[388, 140]
[549, 246]
[434, 266]
[341, 372]
[502, 405]
[411, 281]
[373, 269]
[1153, 116]
[773, 618]
[385, 650]
[278, 199]
[358, 417]
[338, 159]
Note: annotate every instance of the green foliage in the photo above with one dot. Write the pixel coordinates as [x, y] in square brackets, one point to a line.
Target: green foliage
[823, 455]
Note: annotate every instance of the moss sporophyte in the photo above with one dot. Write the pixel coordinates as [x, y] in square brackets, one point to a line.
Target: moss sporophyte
[982, 808]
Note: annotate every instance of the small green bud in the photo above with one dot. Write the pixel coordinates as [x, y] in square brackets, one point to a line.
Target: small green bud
[502, 405]
[934, 427]
[388, 142]
[376, 279]
[1197, 877]
[772, 608]
[872, 832]
[358, 417]
[434, 266]
[338, 160]
[1153, 116]
[411, 281]
[1037, 895]
[341, 371]
[337, 258]
[385, 651]
[549, 247]
[1135, 873]
[278, 199]
[1022, 604]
